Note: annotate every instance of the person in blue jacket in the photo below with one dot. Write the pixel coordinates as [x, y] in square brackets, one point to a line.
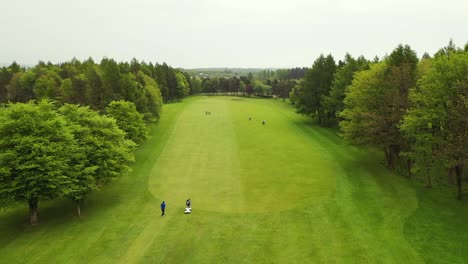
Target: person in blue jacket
[163, 207]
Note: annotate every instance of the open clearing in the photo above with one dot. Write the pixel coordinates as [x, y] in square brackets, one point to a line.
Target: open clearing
[284, 192]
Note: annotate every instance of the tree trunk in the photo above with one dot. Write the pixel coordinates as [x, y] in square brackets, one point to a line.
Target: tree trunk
[459, 173]
[450, 176]
[428, 175]
[33, 204]
[320, 117]
[389, 155]
[78, 207]
[409, 164]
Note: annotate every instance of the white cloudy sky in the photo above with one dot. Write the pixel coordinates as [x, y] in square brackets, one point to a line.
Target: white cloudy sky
[216, 33]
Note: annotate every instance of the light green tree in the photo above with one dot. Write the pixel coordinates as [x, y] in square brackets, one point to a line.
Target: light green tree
[437, 120]
[333, 103]
[129, 120]
[101, 151]
[183, 88]
[35, 142]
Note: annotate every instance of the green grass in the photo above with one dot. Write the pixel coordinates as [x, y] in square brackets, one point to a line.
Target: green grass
[286, 192]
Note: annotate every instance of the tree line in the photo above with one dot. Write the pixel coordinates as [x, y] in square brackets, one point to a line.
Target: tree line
[68, 129]
[414, 109]
[96, 84]
[264, 84]
[51, 151]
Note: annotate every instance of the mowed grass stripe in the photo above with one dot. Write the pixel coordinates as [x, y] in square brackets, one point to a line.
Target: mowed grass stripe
[200, 161]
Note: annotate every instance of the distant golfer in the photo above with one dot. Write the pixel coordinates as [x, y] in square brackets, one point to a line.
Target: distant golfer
[188, 203]
[163, 208]
[250, 118]
[263, 122]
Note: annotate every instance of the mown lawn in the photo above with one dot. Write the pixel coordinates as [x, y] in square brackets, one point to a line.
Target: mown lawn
[284, 192]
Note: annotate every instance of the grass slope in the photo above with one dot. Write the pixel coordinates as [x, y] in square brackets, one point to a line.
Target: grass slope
[286, 192]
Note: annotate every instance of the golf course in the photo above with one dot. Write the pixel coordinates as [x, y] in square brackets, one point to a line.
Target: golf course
[288, 191]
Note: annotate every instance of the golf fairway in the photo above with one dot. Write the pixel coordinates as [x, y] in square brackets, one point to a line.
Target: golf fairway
[284, 192]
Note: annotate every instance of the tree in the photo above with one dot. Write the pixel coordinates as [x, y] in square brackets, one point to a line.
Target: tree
[210, 86]
[79, 88]
[367, 118]
[35, 142]
[154, 101]
[20, 88]
[196, 85]
[183, 88]
[101, 151]
[111, 75]
[295, 92]
[242, 87]
[47, 85]
[160, 74]
[282, 74]
[249, 89]
[378, 100]
[95, 94]
[129, 87]
[129, 120]
[333, 103]
[316, 85]
[5, 77]
[401, 76]
[438, 119]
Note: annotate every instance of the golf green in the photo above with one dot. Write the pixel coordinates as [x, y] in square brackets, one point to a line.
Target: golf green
[283, 192]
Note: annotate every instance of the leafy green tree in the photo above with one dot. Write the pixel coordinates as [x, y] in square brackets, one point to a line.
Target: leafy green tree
[111, 75]
[6, 73]
[249, 90]
[378, 100]
[283, 88]
[161, 73]
[154, 100]
[35, 142]
[101, 151]
[95, 94]
[366, 114]
[282, 74]
[295, 92]
[333, 103]
[47, 85]
[20, 88]
[196, 86]
[183, 88]
[79, 89]
[437, 120]
[234, 85]
[129, 120]
[210, 86]
[130, 87]
[316, 85]
[242, 87]
[223, 85]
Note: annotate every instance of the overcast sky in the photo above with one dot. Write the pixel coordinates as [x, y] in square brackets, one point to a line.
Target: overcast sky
[216, 33]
